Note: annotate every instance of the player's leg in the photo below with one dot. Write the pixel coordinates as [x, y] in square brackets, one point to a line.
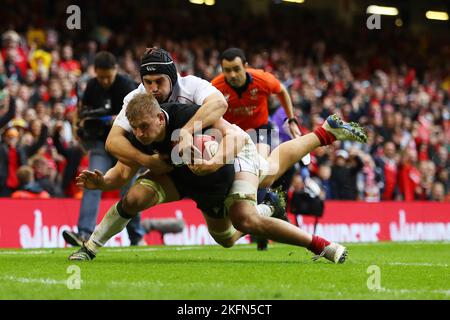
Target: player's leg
[222, 230]
[245, 218]
[148, 191]
[290, 152]
[262, 138]
[135, 230]
[263, 149]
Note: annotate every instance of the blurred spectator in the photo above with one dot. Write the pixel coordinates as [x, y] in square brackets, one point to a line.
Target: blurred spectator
[28, 188]
[438, 192]
[371, 184]
[7, 108]
[12, 156]
[40, 63]
[44, 175]
[343, 176]
[427, 171]
[68, 63]
[73, 154]
[13, 55]
[409, 176]
[323, 180]
[387, 171]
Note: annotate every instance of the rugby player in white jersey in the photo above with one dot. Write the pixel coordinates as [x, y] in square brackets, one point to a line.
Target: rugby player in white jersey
[160, 78]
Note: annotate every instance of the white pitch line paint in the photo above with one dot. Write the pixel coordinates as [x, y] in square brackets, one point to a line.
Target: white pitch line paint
[416, 264]
[27, 252]
[34, 280]
[47, 281]
[395, 291]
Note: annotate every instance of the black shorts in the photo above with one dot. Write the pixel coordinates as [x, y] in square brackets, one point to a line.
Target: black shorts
[210, 197]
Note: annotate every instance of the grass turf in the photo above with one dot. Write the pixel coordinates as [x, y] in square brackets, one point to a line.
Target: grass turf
[408, 271]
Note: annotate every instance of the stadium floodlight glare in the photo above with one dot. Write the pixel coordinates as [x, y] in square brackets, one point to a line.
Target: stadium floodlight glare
[294, 1]
[436, 15]
[386, 11]
[210, 2]
[197, 1]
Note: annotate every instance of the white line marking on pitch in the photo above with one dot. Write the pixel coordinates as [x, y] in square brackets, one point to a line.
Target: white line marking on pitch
[34, 280]
[417, 264]
[446, 292]
[26, 252]
[47, 281]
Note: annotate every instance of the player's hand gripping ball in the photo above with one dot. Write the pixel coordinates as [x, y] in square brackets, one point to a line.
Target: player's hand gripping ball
[205, 147]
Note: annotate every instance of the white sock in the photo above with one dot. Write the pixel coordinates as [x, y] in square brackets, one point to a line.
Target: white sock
[264, 210]
[111, 224]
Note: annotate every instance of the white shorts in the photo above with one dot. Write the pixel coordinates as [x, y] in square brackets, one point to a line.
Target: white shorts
[249, 160]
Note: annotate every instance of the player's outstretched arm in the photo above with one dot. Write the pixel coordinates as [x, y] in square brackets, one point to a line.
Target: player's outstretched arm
[212, 109]
[118, 145]
[115, 178]
[233, 141]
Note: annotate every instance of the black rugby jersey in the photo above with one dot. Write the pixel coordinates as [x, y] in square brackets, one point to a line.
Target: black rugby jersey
[198, 188]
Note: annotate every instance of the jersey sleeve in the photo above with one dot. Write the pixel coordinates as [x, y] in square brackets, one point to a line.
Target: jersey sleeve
[273, 84]
[203, 89]
[121, 119]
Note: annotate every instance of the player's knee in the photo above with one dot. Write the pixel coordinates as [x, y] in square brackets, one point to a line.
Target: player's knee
[247, 223]
[225, 238]
[136, 200]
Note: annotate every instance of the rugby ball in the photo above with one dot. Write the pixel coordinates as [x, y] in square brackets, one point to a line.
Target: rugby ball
[205, 147]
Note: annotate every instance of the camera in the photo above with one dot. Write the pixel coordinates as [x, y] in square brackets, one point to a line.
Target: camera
[94, 124]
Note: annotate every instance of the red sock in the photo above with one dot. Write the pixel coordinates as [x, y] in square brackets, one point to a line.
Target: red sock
[318, 244]
[326, 138]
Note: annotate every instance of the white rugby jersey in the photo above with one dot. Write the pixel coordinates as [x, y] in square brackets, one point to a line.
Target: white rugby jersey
[189, 89]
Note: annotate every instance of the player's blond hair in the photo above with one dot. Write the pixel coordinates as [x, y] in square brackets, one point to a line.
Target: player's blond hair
[142, 104]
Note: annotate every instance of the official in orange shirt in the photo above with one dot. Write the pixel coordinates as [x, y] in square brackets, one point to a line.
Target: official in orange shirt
[247, 91]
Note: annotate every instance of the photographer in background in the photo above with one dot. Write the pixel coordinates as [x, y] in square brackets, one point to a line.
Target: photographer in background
[101, 102]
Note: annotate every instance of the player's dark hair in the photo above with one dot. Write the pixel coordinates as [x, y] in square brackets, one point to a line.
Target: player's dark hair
[104, 60]
[231, 53]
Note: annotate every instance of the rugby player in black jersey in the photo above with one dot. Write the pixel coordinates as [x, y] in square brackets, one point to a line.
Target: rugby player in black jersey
[223, 187]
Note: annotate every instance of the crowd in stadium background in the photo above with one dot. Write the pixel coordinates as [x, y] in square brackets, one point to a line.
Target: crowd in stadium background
[397, 85]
